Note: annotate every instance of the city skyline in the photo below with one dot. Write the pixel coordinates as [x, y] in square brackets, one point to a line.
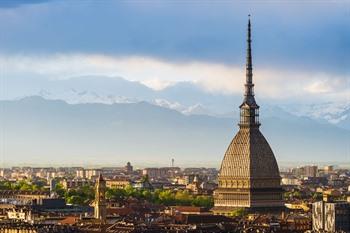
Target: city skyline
[115, 115]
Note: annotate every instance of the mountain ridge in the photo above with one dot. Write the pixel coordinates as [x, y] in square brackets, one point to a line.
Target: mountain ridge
[186, 97]
[54, 131]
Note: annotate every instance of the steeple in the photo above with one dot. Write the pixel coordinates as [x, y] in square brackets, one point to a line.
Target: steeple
[249, 108]
[249, 66]
[100, 177]
[100, 207]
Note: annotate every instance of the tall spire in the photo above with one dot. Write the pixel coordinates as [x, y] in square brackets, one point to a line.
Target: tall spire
[249, 66]
[249, 109]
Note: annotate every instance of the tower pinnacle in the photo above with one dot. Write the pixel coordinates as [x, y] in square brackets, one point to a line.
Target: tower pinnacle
[249, 108]
[249, 66]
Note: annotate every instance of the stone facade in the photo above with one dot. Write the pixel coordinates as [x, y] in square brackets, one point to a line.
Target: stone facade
[331, 216]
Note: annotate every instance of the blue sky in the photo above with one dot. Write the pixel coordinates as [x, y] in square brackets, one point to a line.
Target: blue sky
[304, 45]
[301, 49]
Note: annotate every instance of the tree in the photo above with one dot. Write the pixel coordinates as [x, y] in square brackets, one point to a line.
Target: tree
[59, 190]
[317, 196]
[76, 200]
[5, 185]
[238, 212]
[39, 183]
[166, 197]
[183, 198]
[116, 194]
[81, 196]
[26, 187]
[23, 185]
[130, 191]
[203, 201]
[296, 194]
[147, 195]
[159, 196]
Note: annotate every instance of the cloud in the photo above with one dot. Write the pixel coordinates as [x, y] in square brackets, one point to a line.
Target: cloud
[159, 74]
[327, 85]
[157, 84]
[184, 31]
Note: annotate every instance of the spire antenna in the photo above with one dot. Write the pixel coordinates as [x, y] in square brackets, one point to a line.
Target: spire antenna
[249, 108]
[249, 65]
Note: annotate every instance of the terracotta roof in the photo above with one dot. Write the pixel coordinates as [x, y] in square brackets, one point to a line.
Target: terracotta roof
[69, 220]
[123, 211]
[20, 192]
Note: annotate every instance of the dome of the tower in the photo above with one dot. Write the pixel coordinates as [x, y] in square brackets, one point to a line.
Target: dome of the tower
[249, 155]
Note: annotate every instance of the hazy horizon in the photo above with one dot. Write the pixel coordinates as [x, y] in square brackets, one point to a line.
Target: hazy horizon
[182, 164]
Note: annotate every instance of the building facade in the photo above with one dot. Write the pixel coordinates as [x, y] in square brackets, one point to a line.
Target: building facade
[331, 216]
[162, 172]
[75, 183]
[119, 183]
[249, 175]
[128, 168]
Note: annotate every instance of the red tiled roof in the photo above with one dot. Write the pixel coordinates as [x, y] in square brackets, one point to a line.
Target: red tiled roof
[119, 211]
[69, 220]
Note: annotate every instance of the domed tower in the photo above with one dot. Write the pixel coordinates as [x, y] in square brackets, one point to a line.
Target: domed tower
[249, 175]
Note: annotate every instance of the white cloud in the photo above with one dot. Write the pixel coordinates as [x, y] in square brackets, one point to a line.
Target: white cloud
[157, 83]
[326, 85]
[172, 105]
[158, 74]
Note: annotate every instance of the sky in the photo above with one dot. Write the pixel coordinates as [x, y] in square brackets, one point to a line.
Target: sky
[300, 49]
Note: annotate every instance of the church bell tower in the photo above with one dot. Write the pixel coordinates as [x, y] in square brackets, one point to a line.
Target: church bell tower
[100, 208]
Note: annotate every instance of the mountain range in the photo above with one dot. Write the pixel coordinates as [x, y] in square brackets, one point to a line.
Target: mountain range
[185, 97]
[51, 131]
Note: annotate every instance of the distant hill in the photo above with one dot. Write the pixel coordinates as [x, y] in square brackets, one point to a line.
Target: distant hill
[186, 97]
[34, 129]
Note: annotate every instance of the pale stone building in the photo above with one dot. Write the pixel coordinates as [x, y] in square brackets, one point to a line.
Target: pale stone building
[331, 216]
[119, 183]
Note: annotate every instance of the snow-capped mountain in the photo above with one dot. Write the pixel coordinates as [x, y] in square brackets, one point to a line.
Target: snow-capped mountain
[196, 109]
[336, 113]
[73, 96]
[185, 97]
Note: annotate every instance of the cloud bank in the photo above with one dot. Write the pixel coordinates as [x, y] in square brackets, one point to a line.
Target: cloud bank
[294, 34]
[159, 74]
